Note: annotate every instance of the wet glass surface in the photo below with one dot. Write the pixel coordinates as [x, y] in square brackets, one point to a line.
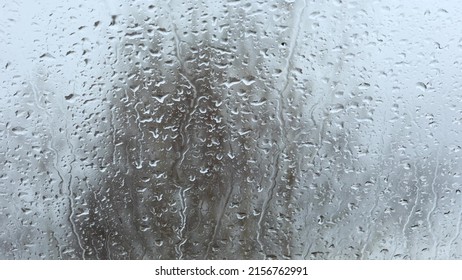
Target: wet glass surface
[230, 130]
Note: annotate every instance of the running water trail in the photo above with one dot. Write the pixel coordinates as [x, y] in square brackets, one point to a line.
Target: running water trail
[279, 157]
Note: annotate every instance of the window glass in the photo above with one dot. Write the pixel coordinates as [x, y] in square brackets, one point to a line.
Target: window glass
[230, 130]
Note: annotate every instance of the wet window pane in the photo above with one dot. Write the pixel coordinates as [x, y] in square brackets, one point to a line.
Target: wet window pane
[230, 130]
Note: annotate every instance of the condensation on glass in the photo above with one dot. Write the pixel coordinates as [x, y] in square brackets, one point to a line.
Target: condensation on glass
[231, 130]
